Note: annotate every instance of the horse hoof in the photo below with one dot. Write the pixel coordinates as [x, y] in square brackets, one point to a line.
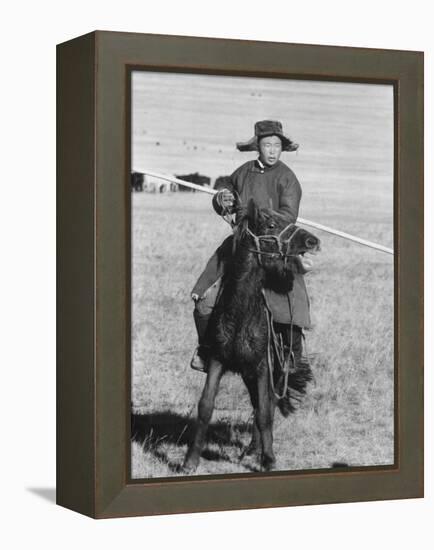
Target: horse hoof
[189, 467]
[268, 463]
[189, 470]
[251, 450]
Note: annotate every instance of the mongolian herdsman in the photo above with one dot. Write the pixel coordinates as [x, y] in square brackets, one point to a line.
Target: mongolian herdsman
[272, 184]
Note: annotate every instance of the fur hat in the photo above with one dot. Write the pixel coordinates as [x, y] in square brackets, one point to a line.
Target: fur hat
[265, 128]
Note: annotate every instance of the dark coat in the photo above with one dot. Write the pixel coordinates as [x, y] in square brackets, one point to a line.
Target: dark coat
[273, 187]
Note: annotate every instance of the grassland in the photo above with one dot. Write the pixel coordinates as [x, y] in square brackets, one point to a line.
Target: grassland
[347, 415]
[187, 123]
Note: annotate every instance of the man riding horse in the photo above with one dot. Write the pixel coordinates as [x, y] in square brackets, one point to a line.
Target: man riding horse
[272, 184]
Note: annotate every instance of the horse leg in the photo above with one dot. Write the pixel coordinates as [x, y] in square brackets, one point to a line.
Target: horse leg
[255, 444]
[205, 410]
[264, 419]
[273, 403]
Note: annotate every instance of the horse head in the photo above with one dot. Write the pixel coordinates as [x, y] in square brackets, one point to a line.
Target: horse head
[276, 243]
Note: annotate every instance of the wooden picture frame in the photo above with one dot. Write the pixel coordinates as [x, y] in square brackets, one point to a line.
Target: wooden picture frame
[94, 252]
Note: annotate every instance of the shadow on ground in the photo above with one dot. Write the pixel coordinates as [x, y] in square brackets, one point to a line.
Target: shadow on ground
[156, 430]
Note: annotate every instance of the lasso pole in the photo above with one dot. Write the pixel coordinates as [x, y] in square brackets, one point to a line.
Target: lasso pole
[180, 182]
[344, 235]
[315, 225]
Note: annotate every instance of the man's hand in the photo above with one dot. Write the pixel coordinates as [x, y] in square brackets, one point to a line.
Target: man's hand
[225, 198]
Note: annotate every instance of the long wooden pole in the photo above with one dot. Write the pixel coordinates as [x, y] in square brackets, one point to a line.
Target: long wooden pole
[319, 226]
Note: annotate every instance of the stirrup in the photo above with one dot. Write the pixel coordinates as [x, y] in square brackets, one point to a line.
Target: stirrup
[197, 363]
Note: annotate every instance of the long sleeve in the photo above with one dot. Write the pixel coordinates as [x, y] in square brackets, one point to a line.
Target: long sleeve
[290, 196]
[228, 185]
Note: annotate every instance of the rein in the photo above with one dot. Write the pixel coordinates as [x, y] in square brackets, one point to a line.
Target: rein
[274, 342]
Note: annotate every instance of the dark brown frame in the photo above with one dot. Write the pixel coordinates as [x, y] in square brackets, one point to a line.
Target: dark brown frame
[93, 366]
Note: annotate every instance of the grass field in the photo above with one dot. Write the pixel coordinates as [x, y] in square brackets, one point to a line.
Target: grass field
[187, 123]
[347, 415]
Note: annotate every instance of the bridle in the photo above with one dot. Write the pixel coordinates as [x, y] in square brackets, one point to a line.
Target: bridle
[257, 239]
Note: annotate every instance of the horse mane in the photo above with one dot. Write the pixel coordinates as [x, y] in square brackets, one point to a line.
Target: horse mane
[240, 229]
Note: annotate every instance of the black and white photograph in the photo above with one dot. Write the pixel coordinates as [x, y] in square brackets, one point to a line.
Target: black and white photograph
[217, 232]
[262, 274]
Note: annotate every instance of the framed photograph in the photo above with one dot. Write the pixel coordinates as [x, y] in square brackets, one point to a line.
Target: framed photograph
[240, 274]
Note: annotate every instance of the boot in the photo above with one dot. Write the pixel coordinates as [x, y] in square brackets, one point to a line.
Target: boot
[199, 360]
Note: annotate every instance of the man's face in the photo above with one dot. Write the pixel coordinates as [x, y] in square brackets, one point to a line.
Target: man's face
[270, 149]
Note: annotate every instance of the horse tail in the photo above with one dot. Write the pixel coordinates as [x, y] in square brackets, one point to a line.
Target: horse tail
[297, 383]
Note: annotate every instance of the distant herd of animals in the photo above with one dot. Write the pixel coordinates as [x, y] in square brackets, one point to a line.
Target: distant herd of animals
[150, 184]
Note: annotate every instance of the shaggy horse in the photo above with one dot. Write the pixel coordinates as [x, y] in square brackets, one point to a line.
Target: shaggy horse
[241, 334]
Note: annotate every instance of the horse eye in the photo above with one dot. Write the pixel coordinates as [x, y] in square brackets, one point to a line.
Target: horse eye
[271, 226]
